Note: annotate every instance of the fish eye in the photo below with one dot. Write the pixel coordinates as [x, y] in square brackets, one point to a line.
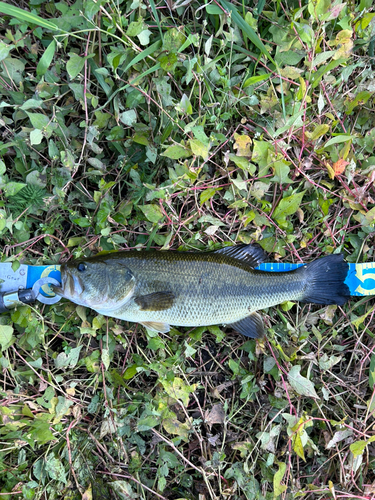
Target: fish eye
[81, 267]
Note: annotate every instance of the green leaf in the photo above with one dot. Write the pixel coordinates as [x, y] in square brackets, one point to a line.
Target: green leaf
[361, 319]
[173, 40]
[339, 139]
[55, 468]
[23, 15]
[31, 104]
[178, 389]
[371, 380]
[207, 194]
[278, 488]
[326, 363]
[128, 117]
[130, 372]
[255, 79]
[322, 57]
[6, 337]
[40, 431]
[358, 447]
[317, 8]
[38, 120]
[142, 55]
[152, 212]
[144, 37]
[175, 427]
[155, 343]
[199, 149]
[135, 28]
[300, 384]
[214, 10]
[46, 59]
[4, 50]
[147, 423]
[82, 222]
[106, 358]
[74, 65]
[288, 206]
[176, 152]
[168, 62]
[360, 99]
[62, 408]
[63, 360]
[281, 170]
[12, 188]
[36, 136]
[318, 131]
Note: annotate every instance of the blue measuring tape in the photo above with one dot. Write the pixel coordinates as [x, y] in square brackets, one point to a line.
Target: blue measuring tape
[360, 278]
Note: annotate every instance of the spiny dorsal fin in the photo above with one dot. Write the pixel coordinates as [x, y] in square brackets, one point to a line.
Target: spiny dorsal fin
[253, 255]
[157, 301]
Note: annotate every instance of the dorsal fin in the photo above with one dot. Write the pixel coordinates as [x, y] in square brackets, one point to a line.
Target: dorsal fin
[253, 255]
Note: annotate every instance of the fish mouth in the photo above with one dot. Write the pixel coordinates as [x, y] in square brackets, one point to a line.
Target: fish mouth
[71, 287]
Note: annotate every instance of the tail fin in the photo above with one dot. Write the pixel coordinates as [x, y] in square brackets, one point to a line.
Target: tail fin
[325, 281]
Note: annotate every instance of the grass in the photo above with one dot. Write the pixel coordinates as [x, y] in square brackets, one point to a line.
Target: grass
[187, 126]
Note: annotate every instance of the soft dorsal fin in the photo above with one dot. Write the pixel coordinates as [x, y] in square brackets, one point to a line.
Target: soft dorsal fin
[253, 255]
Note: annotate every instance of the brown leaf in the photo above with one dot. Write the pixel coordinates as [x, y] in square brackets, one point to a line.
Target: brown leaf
[215, 416]
[339, 166]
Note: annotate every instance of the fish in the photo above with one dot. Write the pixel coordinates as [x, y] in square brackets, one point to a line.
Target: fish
[165, 288]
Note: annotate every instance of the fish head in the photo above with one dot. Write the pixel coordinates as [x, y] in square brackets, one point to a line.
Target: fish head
[95, 283]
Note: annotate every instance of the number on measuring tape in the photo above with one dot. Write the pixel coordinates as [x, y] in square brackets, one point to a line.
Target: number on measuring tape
[364, 277]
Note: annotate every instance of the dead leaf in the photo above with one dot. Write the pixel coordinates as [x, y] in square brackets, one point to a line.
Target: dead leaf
[242, 145]
[215, 416]
[216, 392]
[213, 440]
[339, 166]
[369, 489]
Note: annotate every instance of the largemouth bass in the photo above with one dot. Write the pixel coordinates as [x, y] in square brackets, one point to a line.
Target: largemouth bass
[163, 288]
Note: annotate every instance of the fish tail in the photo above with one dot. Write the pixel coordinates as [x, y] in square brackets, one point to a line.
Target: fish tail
[325, 279]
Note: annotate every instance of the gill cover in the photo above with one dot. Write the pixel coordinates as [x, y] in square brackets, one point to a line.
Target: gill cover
[102, 285]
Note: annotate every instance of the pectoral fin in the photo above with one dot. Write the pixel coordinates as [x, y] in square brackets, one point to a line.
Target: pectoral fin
[251, 326]
[156, 327]
[158, 301]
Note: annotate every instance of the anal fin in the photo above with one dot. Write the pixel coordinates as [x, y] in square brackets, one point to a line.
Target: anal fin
[252, 326]
[156, 326]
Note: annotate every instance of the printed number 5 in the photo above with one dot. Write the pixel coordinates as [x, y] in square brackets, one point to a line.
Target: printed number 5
[359, 268]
